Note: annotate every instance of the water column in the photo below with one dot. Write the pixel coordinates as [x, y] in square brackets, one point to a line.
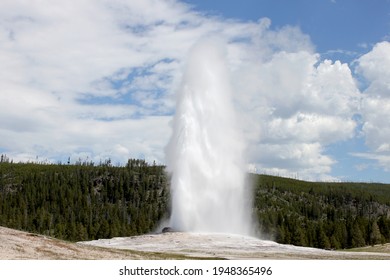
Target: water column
[205, 152]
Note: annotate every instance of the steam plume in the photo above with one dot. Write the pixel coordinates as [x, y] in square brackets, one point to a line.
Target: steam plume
[205, 152]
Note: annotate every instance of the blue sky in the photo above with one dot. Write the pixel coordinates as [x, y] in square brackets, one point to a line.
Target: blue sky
[332, 25]
[92, 80]
[339, 29]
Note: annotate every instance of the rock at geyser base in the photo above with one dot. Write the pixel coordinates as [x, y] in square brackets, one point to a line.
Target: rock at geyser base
[167, 229]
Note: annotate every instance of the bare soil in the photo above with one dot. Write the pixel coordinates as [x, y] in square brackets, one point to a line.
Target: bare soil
[16, 245]
[20, 245]
[231, 246]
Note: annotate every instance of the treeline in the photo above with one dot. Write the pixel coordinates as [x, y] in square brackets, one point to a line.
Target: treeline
[323, 215]
[83, 201]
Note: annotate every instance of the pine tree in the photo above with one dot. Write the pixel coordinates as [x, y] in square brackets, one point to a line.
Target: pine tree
[357, 239]
[375, 234]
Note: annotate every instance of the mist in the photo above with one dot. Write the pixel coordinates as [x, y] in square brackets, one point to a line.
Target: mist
[205, 153]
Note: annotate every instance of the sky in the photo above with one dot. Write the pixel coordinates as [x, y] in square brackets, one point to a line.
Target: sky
[95, 80]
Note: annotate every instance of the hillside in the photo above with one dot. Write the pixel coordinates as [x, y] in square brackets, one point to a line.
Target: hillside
[322, 215]
[86, 202]
[83, 202]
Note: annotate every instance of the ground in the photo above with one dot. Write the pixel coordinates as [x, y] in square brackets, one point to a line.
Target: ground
[231, 246]
[19, 245]
[23, 245]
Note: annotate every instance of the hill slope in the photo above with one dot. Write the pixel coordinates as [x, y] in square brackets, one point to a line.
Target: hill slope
[322, 215]
[86, 202]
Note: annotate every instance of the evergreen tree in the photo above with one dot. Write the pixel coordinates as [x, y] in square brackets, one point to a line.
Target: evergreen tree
[375, 234]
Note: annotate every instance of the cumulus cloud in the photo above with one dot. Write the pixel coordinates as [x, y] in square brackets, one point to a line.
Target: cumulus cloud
[58, 59]
[97, 79]
[374, 66]
[375, 69]
[296, 105]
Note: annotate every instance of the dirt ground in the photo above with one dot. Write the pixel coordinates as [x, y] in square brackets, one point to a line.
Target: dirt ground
[17, 245]
[231, 246]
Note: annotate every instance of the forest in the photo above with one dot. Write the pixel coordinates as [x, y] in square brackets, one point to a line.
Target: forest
[86, 201]
[322, 215]
[83, 201]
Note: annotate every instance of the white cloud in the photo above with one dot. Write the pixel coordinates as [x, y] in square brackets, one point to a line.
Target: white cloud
[303, 160]
[375, 68]
[382, 160]
[296, 105]
[309, 128]
[56, 54]
[98, 79]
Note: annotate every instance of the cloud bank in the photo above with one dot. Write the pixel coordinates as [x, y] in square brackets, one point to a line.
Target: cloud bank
[97, 79]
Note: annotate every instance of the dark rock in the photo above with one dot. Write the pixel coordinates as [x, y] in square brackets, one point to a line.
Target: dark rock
[167, 229]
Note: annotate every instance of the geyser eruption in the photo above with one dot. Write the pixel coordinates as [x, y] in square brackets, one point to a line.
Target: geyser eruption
[205, 152]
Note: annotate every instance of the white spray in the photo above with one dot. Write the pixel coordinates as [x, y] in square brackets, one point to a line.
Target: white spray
[205, 152]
